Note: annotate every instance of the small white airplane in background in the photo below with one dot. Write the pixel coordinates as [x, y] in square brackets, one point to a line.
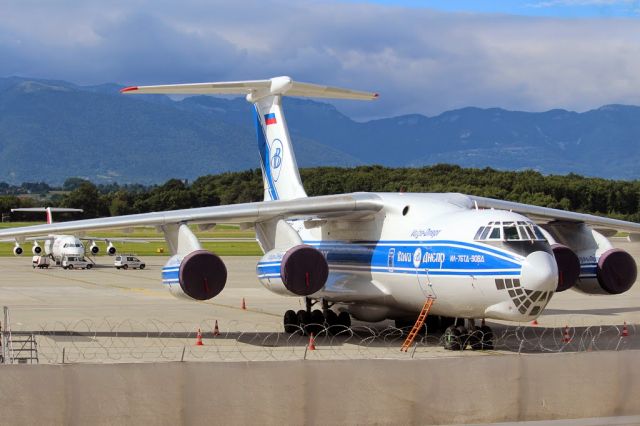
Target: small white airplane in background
[58, 247]
[377, 256]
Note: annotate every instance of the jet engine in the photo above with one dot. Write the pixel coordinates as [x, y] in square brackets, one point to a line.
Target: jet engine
[297, 271]
[17, 250]
[568, 266]
[615, 273]
[36, 249]
[111, 250]
[95, 249]
[200, 275]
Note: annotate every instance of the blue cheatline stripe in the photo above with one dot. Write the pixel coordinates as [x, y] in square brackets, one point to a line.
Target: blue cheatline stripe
[263, 148]
[418, 243]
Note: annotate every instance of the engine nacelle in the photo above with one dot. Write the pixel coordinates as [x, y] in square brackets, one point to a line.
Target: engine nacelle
[95, 249]
[297, 271]
[568, 266]
[36, 249]
[615, 273]
[111, 250]
[200, 275]
[17, 250]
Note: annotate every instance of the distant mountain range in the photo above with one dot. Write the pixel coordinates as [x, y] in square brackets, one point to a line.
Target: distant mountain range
[52, 130]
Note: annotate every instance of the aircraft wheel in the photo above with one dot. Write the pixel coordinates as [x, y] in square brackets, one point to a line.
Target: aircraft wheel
[487, 337]
[125, 266]
[316, 325]
[464, 336]
[303, 319]
[331, 322]
[451, 338]
[291, 324]
[344, 319]
[475, 338]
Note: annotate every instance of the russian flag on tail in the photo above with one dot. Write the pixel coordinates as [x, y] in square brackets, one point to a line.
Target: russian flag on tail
[270, 118]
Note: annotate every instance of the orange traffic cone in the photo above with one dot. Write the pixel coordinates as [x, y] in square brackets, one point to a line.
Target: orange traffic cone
[625, 330]
[199, 338]
[216, 330]
[312, 343]
[534, 322]
[244, 305]
[566, 338]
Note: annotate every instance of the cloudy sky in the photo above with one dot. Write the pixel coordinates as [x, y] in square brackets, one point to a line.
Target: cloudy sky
[422, 56]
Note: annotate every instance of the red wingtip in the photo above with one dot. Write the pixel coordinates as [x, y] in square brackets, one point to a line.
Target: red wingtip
[129, 89]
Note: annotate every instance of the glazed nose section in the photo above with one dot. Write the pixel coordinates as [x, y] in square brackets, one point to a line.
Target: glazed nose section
[539, 272]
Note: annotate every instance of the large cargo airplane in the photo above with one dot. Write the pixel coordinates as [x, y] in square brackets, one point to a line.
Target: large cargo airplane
[377, 256]
[59, 246]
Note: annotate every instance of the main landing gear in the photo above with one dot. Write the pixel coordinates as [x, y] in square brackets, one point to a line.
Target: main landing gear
[307, 321]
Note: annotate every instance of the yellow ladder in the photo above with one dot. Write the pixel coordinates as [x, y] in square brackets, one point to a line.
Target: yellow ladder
[418, 325]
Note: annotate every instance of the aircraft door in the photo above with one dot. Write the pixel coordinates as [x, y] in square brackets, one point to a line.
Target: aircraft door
[422, 275]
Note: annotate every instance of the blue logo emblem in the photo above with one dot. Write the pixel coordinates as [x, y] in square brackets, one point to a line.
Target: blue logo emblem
[276, 158]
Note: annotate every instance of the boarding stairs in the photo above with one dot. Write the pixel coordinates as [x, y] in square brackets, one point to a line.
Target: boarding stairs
[418, 325]
[17, 348]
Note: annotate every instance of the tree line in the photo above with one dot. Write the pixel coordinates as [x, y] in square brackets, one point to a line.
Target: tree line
[615, 198]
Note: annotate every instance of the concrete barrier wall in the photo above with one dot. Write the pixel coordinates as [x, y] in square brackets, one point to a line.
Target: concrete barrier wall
[484, 388]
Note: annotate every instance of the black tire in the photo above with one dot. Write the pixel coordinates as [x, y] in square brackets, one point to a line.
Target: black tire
[291, 324]
[475, 338]
[464, 336]
[125, 266]
[118, 268]
[142, 266]
[344, 319]
[331, 322]
[451, 339]
[70, 266]
[89, 266]
[303, 319]
[487, 337]
[316, 324]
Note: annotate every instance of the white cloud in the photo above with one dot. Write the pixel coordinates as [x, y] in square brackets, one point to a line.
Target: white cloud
[418, 59]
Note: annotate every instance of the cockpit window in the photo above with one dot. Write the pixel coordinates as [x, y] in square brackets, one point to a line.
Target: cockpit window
[510, 231]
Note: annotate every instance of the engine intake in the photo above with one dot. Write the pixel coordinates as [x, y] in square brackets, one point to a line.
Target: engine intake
[17, 250]
[95, 249]
[298, 271]
[616, 271]
[568, 267]
[200, 275]
[111, 250]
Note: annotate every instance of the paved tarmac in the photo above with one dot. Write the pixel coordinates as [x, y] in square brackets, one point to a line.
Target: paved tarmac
[114, 301]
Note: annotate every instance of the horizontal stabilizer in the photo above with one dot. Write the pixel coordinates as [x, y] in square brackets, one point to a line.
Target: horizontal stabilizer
[44, 209]
[255, 89]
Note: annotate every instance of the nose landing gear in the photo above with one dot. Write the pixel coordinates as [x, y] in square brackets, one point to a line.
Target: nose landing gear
[459, 337]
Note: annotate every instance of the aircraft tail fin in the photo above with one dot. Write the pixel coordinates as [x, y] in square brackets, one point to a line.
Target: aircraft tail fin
[279, 168]
[47, 210]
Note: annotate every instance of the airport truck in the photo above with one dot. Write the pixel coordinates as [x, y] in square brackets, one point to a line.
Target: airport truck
[40, 262]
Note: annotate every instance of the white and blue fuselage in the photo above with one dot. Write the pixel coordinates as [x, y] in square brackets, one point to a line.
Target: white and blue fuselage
[425, 245]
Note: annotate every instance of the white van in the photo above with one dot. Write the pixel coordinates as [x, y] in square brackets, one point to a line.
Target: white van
[75, 262]
[126, 261]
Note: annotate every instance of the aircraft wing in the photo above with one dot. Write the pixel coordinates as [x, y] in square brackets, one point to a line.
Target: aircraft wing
[112, 240]
[343, 206]
[546, 214]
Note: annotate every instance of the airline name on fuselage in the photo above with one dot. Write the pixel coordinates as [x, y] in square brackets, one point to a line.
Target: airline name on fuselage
[428, 233]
